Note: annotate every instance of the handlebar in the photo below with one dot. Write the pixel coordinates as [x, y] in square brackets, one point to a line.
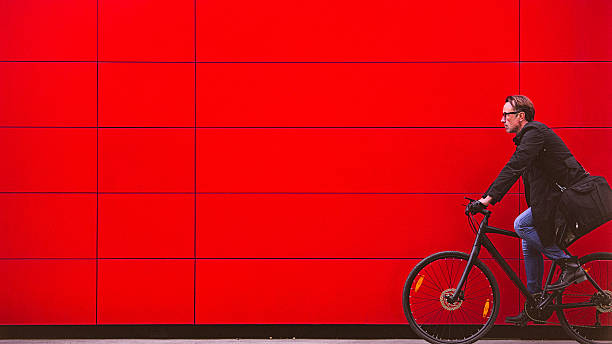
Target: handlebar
[481, 211]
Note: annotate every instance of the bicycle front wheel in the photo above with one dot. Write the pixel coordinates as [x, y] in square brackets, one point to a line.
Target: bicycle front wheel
[589, 325]
[428, 310]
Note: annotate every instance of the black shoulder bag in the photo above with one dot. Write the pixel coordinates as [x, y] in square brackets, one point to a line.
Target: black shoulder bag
[583, 207]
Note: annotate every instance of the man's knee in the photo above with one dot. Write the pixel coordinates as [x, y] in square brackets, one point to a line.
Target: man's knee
[523, 221]
[518, 225]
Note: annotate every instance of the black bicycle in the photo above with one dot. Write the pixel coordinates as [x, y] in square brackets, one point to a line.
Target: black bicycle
[452, 297]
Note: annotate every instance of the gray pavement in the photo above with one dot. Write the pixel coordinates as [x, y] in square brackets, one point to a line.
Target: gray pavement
[260, 341]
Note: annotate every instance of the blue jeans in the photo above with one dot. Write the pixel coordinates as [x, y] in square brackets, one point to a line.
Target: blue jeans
[533, 250]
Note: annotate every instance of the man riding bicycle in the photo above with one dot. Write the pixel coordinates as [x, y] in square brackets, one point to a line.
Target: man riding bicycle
[546, 165]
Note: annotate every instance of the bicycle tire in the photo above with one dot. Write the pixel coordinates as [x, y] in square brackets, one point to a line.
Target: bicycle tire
[580, 323]
[458, 328]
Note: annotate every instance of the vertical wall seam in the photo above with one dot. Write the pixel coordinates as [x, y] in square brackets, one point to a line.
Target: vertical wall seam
[195, 159]
[97, 146]
[519, 197]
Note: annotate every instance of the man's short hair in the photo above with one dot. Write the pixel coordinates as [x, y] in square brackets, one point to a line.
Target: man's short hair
[522, 103]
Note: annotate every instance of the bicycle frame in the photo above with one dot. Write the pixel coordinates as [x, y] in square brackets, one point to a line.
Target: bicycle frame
[483, 240]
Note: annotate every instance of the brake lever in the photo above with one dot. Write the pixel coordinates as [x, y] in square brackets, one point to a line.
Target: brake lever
[470, 201]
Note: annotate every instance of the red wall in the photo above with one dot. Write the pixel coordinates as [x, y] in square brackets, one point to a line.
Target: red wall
[312, 155]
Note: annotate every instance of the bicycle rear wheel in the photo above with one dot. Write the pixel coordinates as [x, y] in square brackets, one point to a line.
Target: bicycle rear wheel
[593, 324]
[430, 314]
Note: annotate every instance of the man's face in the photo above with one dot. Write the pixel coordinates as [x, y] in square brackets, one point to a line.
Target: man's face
[511, 121]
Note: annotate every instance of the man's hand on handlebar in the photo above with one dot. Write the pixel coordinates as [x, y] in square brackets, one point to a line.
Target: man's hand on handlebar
[474, 208]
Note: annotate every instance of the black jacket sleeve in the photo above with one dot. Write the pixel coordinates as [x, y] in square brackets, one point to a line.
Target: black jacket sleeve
[529, 148]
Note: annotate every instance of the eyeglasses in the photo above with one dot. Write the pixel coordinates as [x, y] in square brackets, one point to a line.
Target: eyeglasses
[505, 114]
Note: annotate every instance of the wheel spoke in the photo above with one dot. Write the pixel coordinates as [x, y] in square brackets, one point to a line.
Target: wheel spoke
[437, 320]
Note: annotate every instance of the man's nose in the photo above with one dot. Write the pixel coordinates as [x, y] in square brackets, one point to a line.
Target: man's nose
[503, 119]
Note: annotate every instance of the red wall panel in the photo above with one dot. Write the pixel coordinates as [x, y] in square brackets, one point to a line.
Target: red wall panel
[156, 291]
[300, 291]
[340, 226]
[146, 160]
[591, 147]
[353, 94]
[48, 225]
[146, 226]
[140, 30]
[569, 94]
[56, 30]
[47, 94]
[146, 94]
[48, 292]
[572, 30]
[350, 160]
[58, 160]
[390, 30]
[310, 291]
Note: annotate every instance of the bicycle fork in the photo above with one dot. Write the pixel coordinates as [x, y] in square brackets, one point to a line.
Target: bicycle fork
[458, 294]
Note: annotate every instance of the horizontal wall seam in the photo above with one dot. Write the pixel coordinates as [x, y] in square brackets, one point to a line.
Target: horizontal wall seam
[247, 193]
[244, 258]
[413, 127]
[314, 62]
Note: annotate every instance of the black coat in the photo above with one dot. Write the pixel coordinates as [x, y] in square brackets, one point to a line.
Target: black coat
[544, 161]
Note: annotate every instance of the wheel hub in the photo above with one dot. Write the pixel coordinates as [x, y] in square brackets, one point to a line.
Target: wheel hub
[447, 294]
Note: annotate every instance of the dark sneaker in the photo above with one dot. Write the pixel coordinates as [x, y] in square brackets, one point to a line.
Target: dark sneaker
[521, 319]
[571, 272]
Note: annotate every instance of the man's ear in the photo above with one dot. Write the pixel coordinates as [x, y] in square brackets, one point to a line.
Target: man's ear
[522, 115]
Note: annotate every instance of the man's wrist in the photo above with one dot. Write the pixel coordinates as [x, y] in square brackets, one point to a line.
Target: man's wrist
[486, 200]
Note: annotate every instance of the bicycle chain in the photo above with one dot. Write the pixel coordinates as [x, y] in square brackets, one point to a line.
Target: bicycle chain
[602, 309]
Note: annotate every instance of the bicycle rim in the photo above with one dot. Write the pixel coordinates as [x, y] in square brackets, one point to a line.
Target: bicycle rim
[589, 325]
[430, 314]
